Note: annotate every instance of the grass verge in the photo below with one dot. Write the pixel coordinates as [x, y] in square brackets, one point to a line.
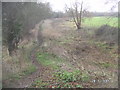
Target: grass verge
[48, 59]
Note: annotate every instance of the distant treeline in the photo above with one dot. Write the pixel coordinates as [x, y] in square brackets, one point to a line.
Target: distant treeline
[89, 14]
[113, 14]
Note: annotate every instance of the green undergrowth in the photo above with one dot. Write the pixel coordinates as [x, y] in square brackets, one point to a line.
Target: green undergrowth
[60, 78]
[73, 76]
[64, 79]
[48, 59]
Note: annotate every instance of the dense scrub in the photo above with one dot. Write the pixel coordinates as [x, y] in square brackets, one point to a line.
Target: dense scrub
[19, 18]
[107, 33]
[21, 33]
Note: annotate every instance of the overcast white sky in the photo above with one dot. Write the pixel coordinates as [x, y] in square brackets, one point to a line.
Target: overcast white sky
[93, 5]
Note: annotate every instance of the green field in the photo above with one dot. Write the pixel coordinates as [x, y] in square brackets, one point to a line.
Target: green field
[99, 21]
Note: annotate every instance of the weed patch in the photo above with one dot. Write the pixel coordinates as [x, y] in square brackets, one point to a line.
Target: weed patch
[65, 76]
[48, 59]
[40, 84]
[74, 76]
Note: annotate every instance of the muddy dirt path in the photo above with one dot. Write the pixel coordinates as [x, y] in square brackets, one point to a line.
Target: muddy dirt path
[26, 81]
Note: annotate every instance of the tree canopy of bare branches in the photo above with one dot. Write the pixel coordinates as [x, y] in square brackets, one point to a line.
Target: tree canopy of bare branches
[77, 11]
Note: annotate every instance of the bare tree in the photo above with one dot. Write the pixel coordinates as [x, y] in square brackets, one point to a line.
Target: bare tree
[77, 12]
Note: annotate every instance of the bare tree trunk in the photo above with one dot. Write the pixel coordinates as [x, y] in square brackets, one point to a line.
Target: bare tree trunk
[81, 14]
[76, 10]
[78, 27]
[78, 15]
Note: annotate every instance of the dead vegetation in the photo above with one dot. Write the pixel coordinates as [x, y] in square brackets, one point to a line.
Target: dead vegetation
[108, 34]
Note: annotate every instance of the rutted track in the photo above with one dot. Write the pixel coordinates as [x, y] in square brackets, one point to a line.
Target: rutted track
[28, 80]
